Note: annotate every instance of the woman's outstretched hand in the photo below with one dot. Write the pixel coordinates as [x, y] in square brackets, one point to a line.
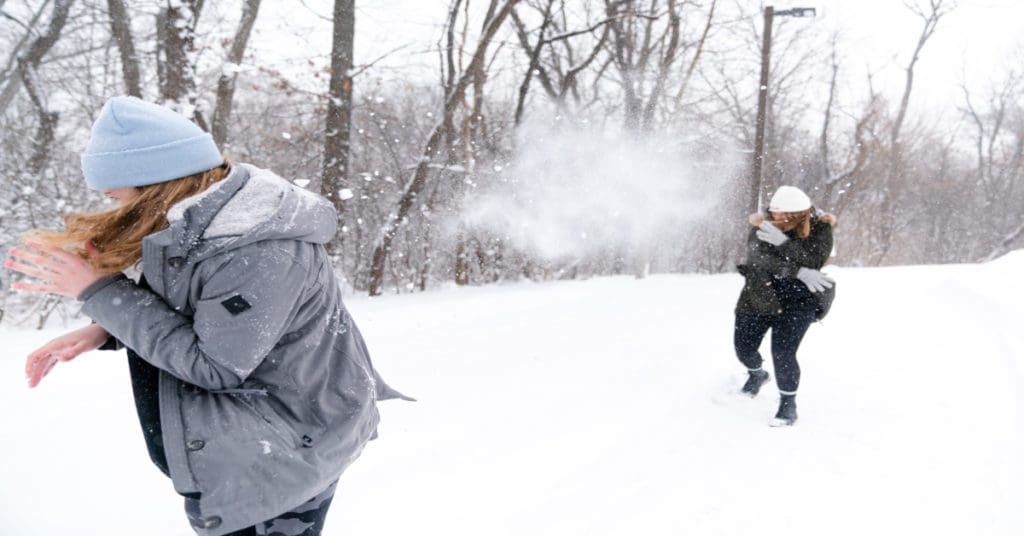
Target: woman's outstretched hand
[57, 271]
[63, 348]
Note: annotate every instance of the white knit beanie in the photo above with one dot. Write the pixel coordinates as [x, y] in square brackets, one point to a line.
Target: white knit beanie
[789, 199]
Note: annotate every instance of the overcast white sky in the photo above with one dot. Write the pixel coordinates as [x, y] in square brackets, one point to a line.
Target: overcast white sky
[978, 37]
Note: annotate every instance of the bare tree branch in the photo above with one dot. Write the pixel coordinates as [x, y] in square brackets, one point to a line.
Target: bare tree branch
[433, 145]
[42, 44]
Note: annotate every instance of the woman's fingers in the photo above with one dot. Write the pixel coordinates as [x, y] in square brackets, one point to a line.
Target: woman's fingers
[31, 271]
[30, 256]
[40, 368]
[32, 362]
[46, 370]
[38, 354]
[59, 271]
[29, 287]
[49, 258]
[56, 253]
[42, 373]
[42, 267]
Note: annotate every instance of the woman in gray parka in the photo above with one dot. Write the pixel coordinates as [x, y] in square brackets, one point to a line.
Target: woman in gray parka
[253, 385]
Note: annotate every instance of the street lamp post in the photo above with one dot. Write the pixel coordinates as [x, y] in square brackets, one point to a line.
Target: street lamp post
[762, 98]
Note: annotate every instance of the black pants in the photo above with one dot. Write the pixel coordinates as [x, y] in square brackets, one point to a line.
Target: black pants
[788, 330]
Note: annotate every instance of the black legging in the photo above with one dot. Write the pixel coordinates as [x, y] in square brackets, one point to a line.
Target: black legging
[788, 330]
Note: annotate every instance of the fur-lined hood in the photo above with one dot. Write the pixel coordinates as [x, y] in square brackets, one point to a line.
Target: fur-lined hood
[757, 218]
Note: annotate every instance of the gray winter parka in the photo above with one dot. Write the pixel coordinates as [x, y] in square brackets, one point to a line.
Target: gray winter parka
[266, 388]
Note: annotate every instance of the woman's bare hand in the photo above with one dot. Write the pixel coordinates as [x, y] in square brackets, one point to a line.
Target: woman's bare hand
[57, 271]
[63, 348]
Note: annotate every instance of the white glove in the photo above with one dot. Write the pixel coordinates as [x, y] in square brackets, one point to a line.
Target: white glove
[771, 234]
[815, 280]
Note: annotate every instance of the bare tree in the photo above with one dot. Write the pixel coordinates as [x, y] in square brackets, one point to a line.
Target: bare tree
[999, 152]
[44, 136]
[887, 218]
[29, 61]
[646, 44]
[534, 55]
[677, 71]
[433, 147]
[229, 74]
[337, 131]
[637, 42]
[121, 31]
[840, 180]
[176, 69]
[556, 60]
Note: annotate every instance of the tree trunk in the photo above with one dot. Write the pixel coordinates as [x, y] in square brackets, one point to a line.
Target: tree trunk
[121, 30]
[339, 112]
[461, 261]
[44, 136]
[226, 82]
[176, 26]
[896, 164]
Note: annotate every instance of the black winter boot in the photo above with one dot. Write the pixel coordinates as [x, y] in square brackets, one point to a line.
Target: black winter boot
[754, 382]
[786, 415]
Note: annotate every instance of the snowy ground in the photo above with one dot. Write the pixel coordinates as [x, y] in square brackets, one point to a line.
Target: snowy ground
[602, 407]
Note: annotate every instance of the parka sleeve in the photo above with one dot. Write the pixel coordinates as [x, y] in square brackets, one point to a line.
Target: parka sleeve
[787, 259]
[244, 306]
[765, 257]
[818, 249]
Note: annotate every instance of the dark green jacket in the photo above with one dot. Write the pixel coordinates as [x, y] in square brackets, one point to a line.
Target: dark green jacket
[771, 285]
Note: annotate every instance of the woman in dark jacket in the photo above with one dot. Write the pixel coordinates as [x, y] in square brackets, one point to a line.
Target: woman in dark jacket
[785, 291]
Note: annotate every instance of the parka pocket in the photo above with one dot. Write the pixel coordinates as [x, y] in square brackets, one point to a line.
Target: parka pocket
[259, 405]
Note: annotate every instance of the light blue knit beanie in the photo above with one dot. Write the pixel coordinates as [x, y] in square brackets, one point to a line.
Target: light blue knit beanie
[135, 143]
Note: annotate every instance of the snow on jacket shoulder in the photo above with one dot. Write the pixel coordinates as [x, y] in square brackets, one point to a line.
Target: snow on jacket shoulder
[267, 392]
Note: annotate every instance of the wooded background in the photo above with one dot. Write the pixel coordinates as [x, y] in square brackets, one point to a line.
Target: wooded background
[554, 139]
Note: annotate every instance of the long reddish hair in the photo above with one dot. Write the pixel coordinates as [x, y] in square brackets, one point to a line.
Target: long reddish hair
[117, 234]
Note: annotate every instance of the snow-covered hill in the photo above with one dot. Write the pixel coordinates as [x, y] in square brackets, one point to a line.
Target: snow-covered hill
[604, 407]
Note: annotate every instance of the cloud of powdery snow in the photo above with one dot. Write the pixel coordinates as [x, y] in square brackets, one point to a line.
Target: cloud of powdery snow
[573, 191]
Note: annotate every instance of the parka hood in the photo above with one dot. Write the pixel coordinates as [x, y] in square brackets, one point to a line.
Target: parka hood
[253, 204]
